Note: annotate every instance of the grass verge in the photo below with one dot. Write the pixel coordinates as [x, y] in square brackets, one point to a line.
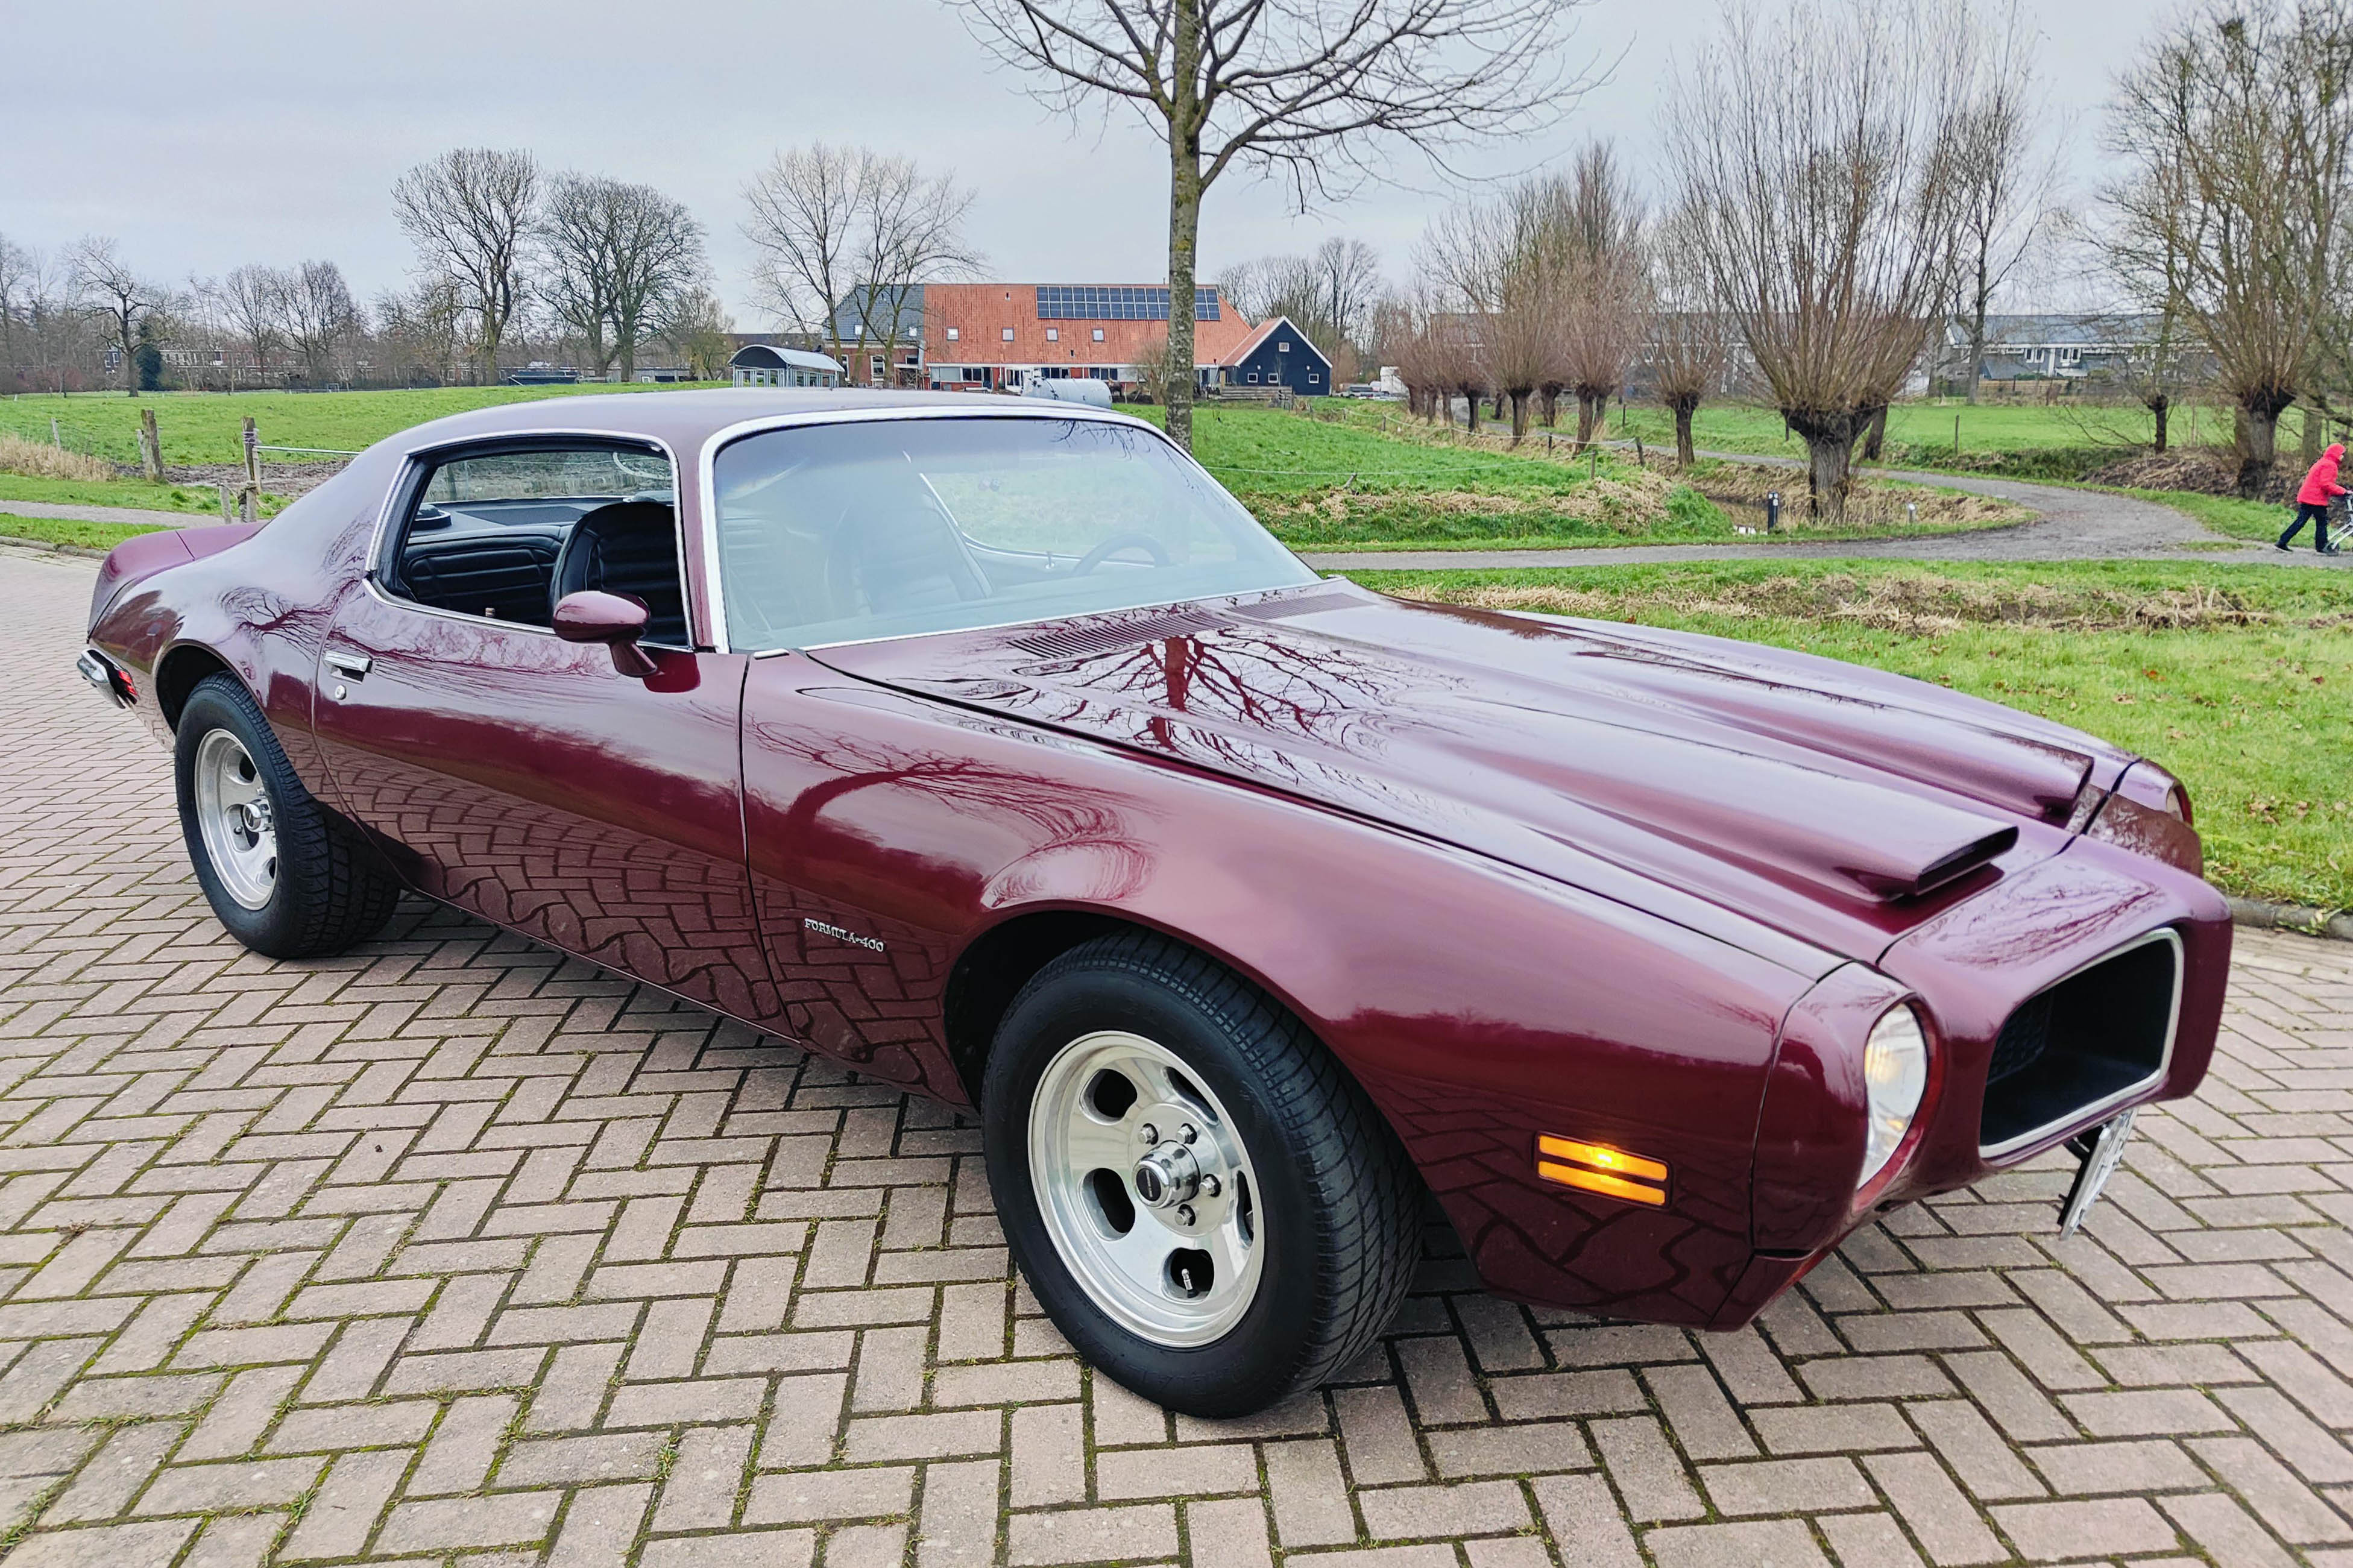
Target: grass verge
[72, 532]
[2234, 676]
[135, 494]
[208, 427]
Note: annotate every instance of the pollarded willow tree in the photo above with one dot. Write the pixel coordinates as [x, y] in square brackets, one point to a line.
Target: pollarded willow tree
[1604, 288]
[2236, 130]
[1684, 336]
[1816, 154]
[1317, 92]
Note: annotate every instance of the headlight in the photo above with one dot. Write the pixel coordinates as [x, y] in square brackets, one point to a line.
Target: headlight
[1895, 1075]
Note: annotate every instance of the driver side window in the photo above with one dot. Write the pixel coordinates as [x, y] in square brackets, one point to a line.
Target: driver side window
[503, 531]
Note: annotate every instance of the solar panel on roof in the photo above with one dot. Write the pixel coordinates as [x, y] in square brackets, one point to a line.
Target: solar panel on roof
[1101, 302]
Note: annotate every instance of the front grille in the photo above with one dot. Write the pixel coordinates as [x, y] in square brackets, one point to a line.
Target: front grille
[2088, 1043]
[2023, 1039]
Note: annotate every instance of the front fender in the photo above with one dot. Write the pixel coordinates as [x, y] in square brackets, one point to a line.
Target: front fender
[1479, 1005]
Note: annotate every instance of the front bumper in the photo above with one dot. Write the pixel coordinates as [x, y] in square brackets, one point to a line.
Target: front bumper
[106, 678]
[2089, 913]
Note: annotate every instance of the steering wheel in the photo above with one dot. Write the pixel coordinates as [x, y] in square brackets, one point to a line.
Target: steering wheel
[1115, 543]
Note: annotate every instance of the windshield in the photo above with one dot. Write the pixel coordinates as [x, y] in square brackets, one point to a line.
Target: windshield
[883, 528]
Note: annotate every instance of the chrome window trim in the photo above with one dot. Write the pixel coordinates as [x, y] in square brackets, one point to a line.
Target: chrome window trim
[2099, 1110]
[415, 457]
[1016, 408]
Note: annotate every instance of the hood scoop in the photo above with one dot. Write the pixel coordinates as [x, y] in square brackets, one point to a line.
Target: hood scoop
[1099, 635]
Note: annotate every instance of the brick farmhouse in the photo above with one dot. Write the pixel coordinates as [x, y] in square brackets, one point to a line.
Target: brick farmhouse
[985, 336]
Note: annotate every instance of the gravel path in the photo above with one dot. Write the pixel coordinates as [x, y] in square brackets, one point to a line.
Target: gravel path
[2073, 525]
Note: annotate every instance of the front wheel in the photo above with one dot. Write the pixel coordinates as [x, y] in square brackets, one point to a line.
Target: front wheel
[283, 876]
[1204, 1202]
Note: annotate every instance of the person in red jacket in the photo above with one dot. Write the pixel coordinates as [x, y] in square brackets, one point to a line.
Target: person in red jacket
[2320, 486]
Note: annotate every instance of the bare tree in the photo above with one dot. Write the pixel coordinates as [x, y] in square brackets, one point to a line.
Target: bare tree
[1329, 295]
[1685, 338]
[112, 291]
[1311, 89]
[844, 233]
[1814, 157]
[422, 332]
[696, 329]
[2007, 172]
[619, 258]
[470, 213]
[1604, 287]
[17, 269]
[254, 298]
[320, 317]
[2235, 129]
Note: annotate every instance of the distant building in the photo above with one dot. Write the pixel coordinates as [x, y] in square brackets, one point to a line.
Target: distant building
[881, 337]
[978, 336]
[1277, 353]
[764, 365]
[2044, 347]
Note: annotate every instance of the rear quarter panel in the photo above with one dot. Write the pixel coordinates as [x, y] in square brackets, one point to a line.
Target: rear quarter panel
[259, 599]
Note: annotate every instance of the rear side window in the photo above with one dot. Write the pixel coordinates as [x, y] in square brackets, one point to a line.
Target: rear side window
[502, 533]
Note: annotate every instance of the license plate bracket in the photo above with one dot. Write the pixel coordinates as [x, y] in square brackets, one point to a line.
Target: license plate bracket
[2098, 1150]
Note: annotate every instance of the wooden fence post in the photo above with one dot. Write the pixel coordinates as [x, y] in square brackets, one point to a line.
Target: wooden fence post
[151, 447]
[228, 513]
[251, 500]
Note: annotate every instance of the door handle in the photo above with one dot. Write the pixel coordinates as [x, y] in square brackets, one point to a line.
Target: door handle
[354, 665]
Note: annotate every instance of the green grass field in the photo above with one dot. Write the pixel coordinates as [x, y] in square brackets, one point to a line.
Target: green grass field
[67, 531]
[1372, 479]
[208, 427]
[134, 493]
[2234, 676]
[1319, 484]
[2031, 441]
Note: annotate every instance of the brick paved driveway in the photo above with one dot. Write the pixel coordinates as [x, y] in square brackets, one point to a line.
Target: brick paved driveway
[453, 1249]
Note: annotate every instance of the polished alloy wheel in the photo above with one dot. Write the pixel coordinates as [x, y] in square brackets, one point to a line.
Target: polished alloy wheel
[235, 817]
[1145, 1189]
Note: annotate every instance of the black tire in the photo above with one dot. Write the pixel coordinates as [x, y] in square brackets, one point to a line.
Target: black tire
[1337, 1196]
[329, 891]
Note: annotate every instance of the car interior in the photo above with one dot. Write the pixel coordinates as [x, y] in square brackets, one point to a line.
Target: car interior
[505, 535]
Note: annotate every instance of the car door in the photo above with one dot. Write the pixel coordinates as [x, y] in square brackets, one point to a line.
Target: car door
[527, 779]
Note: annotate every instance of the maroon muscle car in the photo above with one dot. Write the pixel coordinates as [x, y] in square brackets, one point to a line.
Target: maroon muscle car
[992, 748]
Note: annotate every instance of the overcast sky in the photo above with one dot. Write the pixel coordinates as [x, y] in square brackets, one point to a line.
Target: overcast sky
[272, 130]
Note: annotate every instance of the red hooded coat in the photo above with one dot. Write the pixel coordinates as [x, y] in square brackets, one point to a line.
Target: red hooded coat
[2321, 482]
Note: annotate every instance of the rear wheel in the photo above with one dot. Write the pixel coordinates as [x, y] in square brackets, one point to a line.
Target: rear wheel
[1204, 1202]
[282, 875]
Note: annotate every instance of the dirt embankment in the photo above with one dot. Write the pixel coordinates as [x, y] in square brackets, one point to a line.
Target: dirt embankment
[2201, 470]
[1873, 503]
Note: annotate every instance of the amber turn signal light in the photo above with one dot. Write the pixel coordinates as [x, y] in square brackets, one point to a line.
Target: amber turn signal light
[1599, 1168]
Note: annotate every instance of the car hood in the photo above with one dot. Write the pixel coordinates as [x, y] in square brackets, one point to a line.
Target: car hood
[1833, 804]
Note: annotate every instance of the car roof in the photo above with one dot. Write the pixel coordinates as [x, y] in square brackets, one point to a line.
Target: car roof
[684, 420]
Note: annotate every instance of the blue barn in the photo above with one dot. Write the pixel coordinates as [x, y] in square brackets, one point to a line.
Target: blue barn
[1278, 355]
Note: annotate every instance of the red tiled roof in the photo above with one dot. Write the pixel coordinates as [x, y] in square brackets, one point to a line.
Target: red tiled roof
[981, 313]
